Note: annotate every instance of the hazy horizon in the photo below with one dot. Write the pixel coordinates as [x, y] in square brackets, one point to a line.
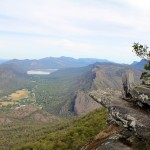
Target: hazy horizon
[78, 29]
[4, 60]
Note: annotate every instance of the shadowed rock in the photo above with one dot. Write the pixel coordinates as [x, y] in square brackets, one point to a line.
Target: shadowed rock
[139, 95]
[128, 84]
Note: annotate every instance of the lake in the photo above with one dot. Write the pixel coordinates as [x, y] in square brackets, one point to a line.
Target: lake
[41, 72]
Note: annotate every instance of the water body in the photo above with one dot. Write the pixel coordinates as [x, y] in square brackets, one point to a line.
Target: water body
[41, 72]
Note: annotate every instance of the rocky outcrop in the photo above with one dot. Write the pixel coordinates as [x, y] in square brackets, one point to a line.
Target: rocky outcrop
[4, 120]
[108, 139]
[110, 76]
[146, 81]
[141, 96]
[27, 113]
[124, 111]
[128, 84]
[137, 94]
[23, 112]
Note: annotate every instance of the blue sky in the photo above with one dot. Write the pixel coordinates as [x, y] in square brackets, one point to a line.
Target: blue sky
[74, 28]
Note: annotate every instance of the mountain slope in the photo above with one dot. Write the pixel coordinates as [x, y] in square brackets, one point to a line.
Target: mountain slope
[28, 114]
[65, 135]
[110, 75]
[11, 78]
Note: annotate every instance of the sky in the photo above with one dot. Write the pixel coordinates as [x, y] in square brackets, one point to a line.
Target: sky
[104, 29]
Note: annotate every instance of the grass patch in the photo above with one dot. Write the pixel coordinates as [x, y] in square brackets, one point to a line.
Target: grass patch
[7, 103]
[18, 95]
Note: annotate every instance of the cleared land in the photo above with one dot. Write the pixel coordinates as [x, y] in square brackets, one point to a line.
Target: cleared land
[18, 95]
[14, 97]
[7, 103]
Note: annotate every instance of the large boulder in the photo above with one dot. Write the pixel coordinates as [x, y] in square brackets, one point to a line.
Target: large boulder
[146, 81]
[139, 94]
[128, 84]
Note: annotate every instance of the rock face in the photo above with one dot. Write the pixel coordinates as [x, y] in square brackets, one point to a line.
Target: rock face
[84, 104]
[146, 81]
[128, 84]
[141, 96]
[138, 94]
[128, 110]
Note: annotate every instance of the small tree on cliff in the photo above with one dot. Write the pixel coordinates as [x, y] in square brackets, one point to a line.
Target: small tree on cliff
[142, 52]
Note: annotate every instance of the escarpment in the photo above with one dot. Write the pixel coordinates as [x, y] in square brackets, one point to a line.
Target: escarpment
[100, 76]
[128, 112]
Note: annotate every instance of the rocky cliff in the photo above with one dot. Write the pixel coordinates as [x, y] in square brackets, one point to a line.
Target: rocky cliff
[128, 115]
[99, 76]
[84, 104]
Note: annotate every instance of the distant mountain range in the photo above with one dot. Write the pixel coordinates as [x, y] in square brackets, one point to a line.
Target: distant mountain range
[61, 62]
[139, 65]
[54, 62]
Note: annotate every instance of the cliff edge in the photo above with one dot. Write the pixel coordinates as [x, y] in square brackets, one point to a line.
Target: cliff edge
[128, 114]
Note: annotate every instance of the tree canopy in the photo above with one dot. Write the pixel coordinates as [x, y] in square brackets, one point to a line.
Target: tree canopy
[143, 52]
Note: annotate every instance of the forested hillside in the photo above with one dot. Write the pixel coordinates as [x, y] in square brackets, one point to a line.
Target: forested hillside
[64, 135]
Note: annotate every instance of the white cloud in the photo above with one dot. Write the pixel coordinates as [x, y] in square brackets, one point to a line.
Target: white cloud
[140, 5]
[85, 26]
[62, 17]
[77, 45]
